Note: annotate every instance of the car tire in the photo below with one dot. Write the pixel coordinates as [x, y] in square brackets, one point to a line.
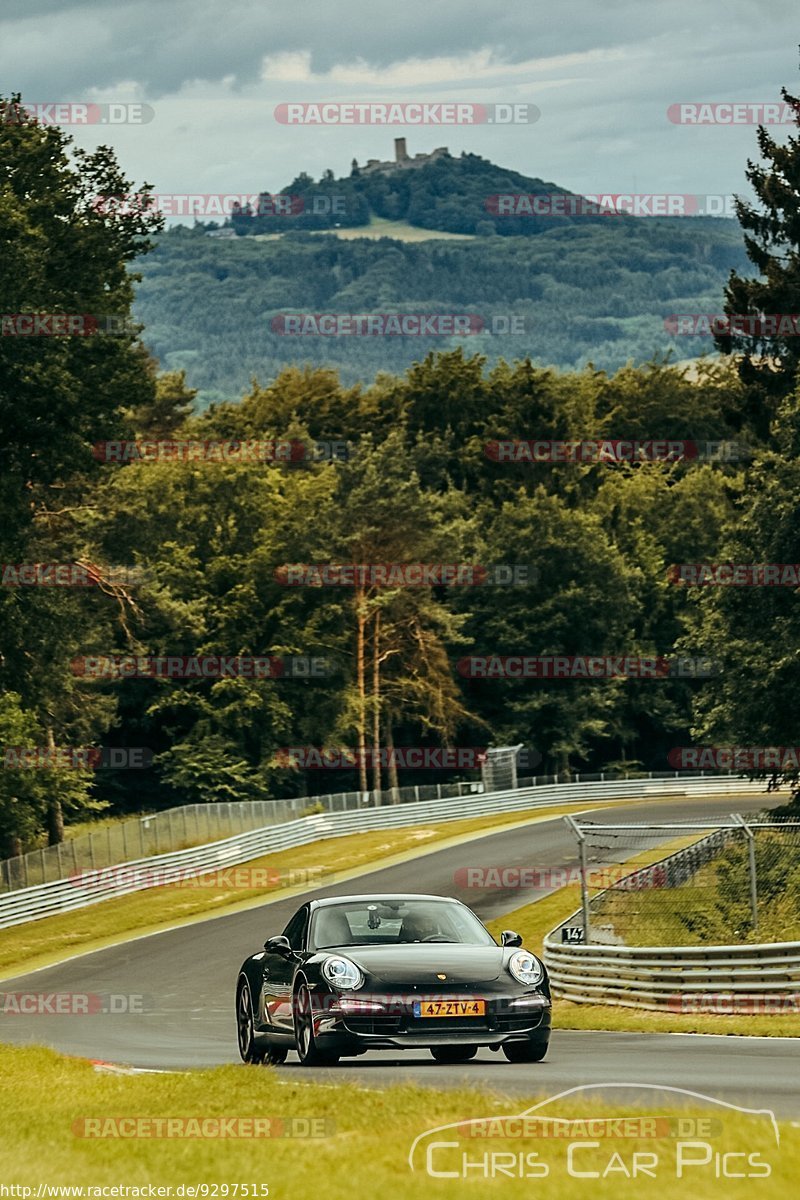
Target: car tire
[453, 1054]
[245, 1026]
[525, 1052]
[307, 1050]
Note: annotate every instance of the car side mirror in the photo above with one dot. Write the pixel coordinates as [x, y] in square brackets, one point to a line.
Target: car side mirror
[510, 938]
[278, 945]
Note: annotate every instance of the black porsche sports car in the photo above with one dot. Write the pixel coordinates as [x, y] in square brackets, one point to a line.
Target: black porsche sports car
[396, 972]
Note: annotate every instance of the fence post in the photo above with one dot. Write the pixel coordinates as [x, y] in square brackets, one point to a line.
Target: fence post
[751, 847]
[576, 829]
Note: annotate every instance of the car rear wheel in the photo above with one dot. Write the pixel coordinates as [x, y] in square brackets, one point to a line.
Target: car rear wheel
[307, 1050]
[245, 1025]
[453, 1054]
[525, 1052]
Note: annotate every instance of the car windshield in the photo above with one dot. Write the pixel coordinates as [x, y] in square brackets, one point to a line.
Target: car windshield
[386, 921]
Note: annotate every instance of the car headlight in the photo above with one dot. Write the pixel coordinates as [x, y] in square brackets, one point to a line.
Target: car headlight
[526, 968]
[342, 973]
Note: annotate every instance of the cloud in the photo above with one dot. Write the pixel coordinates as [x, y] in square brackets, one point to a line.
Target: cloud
[603, 81]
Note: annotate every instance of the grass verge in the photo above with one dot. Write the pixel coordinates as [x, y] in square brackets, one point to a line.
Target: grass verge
[369, 1136]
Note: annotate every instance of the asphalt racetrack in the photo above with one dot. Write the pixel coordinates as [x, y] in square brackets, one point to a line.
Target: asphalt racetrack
[187, 977]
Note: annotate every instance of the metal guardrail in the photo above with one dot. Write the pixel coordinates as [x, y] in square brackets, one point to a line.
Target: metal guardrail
[667, 977]
[87, 888]
[673, 978]
[150, 834]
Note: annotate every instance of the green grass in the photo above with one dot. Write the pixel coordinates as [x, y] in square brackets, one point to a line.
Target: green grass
[713, 907]
[369, 1137]
[381, 227]
[53, 938]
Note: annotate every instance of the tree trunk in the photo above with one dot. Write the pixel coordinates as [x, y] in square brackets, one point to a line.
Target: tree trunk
[361, 621]
[55, 815]
[392, 768]
[376, 708]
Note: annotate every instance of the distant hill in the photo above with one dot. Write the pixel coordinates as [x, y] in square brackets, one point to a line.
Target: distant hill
[450, 194]
[597, 291]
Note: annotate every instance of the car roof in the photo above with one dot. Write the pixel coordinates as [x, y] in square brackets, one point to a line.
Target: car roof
[325, 901]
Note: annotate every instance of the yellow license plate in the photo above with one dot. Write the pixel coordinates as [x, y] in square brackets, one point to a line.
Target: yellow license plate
[449, 1008]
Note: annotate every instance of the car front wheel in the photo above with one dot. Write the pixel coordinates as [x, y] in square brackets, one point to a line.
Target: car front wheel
[453, 1054]
[307, 1050]
[525, 1052]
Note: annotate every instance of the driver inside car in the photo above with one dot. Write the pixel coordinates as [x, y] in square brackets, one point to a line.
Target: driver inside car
[416, 927]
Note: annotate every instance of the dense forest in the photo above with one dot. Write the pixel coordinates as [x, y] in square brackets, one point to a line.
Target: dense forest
[186, 556]
[586, 292]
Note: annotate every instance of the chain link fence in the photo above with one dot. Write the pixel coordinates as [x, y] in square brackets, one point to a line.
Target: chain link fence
[688, 884]
[190, 825]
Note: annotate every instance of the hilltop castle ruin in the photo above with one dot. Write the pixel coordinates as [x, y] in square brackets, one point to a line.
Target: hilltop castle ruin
[402, 159]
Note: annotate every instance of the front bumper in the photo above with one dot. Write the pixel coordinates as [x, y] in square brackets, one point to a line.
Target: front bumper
[346, 1024]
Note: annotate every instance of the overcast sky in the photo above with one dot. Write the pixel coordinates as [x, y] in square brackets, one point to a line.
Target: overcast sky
[603, 75]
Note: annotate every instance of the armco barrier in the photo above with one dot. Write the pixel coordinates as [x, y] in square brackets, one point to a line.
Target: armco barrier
[738, 978]
[675, 978]
[64, 895]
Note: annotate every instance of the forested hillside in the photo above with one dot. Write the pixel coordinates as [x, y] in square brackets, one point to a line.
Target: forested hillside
[585, 292]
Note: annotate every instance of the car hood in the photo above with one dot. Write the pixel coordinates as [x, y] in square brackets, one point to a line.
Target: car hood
[423, 964]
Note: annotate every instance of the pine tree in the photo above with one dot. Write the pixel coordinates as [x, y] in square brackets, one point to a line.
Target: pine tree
[769, 363]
